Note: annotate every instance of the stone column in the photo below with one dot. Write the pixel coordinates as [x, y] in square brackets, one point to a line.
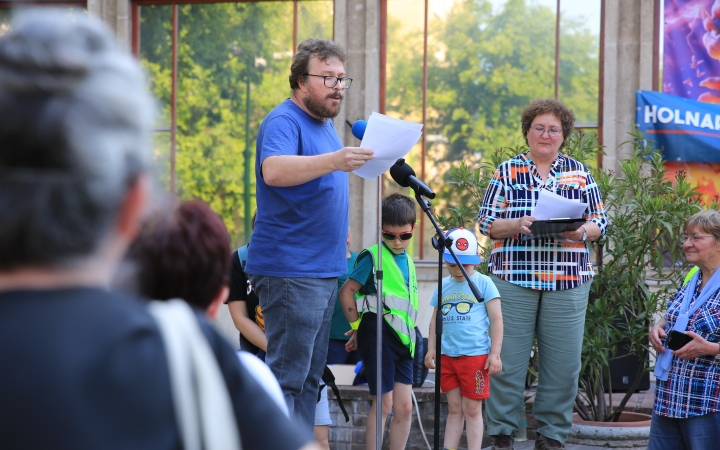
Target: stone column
[357, 29]
[627, 66]
[116, 14]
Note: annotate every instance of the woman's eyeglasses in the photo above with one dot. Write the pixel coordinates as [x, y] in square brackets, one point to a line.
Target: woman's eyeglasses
[693, 238]
[390, 236]
[539, 131]
[460, 307]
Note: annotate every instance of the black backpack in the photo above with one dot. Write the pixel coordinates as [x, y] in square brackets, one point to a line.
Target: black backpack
[420, 372]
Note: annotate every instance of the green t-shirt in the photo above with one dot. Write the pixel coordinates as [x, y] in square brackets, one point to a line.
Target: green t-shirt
[339, 324]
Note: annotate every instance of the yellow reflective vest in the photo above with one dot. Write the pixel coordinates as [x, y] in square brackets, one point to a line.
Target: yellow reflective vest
[690, 274]
[400, 306]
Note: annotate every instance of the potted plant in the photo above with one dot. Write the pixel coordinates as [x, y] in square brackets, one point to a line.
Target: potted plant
[639, 259]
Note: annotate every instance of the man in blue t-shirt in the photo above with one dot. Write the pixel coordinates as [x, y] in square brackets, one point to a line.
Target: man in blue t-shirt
[298, 246]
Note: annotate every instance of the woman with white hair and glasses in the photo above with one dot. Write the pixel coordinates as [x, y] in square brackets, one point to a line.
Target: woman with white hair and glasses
[686, 413]
[82, 367]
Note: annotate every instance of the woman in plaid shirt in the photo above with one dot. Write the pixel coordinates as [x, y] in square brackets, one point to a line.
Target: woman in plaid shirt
[686, 414]
[544, 282]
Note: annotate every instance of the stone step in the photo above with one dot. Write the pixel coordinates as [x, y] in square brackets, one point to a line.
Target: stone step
[530, 445]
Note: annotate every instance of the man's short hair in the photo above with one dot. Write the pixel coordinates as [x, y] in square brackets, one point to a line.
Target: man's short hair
[184, 253]
[398, 210]
[319, 48]
[73, 138]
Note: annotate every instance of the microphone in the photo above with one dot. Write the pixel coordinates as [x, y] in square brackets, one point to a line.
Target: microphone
[404, 175]
[358, 129]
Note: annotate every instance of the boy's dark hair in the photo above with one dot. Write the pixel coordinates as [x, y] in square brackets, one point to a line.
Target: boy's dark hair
[398, 210]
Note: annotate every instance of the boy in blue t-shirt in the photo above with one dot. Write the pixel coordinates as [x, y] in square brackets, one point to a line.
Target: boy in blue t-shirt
[400, 307]
[469, 354]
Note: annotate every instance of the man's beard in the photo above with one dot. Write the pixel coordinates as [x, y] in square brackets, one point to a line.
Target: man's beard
[319, 108]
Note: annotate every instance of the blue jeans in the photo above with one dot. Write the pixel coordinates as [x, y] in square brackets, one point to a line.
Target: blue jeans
[695, 433]
[297, 314]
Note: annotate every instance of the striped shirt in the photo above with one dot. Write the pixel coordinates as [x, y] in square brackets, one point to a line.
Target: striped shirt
[550, 263]
[693, 385]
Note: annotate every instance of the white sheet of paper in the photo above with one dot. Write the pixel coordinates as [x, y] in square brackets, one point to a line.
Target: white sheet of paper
[553, 206]
[390, 139]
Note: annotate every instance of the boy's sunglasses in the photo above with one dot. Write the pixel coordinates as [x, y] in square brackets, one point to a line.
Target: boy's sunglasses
[390, 236]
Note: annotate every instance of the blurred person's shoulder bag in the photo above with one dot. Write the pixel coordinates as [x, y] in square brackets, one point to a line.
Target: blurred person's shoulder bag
[204, 412]
[329, 379]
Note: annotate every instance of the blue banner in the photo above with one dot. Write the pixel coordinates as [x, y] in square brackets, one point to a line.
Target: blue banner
[686, 130]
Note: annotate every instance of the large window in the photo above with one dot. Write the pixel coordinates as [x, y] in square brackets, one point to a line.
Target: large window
[217, 69]
[8, 8]
[467, 68]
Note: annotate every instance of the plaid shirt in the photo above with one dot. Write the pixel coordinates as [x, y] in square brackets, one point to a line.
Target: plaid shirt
[693, 385]
[550, 263]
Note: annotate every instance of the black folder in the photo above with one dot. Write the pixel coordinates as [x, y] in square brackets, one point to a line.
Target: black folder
[555, 226]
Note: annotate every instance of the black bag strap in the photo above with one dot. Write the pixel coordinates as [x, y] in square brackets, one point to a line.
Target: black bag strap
[329, 380]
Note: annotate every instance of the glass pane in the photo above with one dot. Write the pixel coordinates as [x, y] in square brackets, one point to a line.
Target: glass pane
[161, 157]
[315, 19]
[5, 19]
[156, 57]
[486, 61]
[233, 65]
[6, 14]
[403, 99]
[580, 58]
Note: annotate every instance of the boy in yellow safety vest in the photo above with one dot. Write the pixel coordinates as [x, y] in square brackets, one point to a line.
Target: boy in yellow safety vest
[358, 298]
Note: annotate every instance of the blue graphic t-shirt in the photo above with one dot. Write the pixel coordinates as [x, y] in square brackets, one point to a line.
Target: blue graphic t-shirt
[465, 320]
[300, 231]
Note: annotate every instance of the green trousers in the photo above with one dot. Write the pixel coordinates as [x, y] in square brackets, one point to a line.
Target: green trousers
[558, 320]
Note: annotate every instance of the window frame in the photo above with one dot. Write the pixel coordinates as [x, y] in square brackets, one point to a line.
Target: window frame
[383, 81]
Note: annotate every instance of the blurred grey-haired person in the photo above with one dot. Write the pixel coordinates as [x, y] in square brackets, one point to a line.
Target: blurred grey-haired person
[83, 367]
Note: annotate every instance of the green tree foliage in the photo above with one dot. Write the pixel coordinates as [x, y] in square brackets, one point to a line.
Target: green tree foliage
[484, 67]
[496, 64]
[233, 64]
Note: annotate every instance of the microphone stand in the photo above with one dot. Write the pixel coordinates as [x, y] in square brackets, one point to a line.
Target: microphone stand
[380, 302]
[440, 242]
[379, 316]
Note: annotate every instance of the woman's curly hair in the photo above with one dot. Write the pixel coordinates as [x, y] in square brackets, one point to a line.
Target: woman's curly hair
[548, 106]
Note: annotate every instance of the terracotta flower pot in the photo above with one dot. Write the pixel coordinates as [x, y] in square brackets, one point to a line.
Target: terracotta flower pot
[630, 432]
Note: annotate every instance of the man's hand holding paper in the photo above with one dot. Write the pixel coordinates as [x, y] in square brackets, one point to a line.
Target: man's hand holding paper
[390, 139]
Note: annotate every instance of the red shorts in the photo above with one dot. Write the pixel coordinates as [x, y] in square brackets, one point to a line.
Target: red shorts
[466, 372]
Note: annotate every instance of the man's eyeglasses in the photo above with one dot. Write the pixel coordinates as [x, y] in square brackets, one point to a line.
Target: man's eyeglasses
[390, 236]
[693, 238]
[553, 132]
[331, 81]
[460, 307]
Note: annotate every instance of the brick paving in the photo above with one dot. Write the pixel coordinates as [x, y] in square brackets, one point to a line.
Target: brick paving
[351, 435]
